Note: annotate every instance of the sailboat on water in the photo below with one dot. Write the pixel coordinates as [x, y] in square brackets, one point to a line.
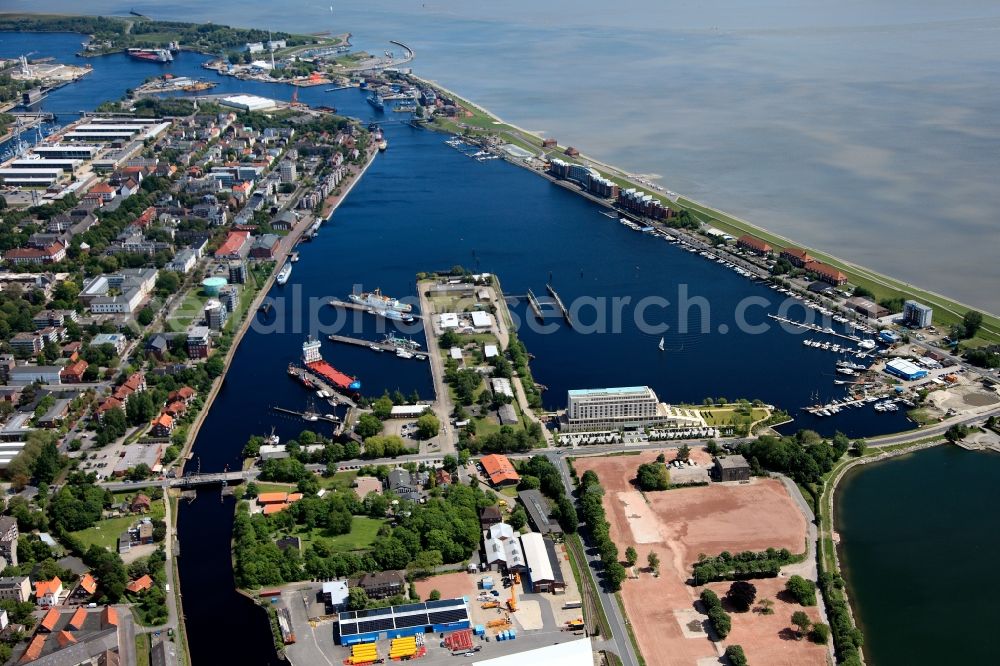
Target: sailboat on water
[661, 344]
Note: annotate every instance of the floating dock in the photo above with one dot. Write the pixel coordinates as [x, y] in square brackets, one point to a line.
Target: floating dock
[336, 397]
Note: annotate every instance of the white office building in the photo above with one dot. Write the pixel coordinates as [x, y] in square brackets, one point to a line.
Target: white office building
[622, 408]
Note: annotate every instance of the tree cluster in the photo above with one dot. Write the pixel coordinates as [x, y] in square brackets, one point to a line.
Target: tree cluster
[722, 623]
[802, 590]
[805, 456]
[847, 639]
[652, 476]
[741, 566]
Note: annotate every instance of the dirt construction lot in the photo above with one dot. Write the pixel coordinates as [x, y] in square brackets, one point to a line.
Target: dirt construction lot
[678, 525]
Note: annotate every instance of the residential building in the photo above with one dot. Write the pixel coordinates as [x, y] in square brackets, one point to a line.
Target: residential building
[383, 584]
[26, 344]
[48, 592]
[237, 272]
[489, 516]
[286, 171]
[265, 246]
[198, 342]
[17, 588]
[215, 315]
[236, 246]
[401, 482]
[917, 315]
[366, 484]
[827, 273]
[73, 373]
[754, 245]
[732, 468]
[796, 256]
[49, 254]
[162, 426]
[183, 262]
[499, 469]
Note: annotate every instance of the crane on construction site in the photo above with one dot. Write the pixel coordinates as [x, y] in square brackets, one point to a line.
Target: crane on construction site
[512, 601]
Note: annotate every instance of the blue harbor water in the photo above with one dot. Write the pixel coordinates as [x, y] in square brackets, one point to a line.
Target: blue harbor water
[867, 129]
[918, 547]
[425, 206]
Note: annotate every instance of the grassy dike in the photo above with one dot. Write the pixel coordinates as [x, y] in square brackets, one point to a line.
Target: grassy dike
[946, 311]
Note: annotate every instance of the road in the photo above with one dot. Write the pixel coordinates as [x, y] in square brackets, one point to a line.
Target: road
[619, 633]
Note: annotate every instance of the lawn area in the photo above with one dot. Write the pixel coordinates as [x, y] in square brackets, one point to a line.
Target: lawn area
[716, 416]
[105, 533]
[485, 426]
[362, 535]
[339, 481]
[190, 310]
[264, 487]
[142, 649]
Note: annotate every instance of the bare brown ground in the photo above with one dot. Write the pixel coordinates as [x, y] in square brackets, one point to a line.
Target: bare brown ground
[771, 639]
[451, 585]
[677, 525]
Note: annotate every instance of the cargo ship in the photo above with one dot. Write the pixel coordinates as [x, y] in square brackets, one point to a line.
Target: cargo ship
[150, 55]
[284, 274]
[376, 299]
[314, 362]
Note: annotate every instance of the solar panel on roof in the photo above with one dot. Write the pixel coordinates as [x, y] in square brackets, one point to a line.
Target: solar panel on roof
[375, 612]
[407, 608]
[443, 603]
[382, 624]
[348, 628]
[415, 620]
[446, 616]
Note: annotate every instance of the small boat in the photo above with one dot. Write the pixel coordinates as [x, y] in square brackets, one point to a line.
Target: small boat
[375, 348]
[309, 416]
[661, 344]
[284, 274]
[402, 353]
[294, 257]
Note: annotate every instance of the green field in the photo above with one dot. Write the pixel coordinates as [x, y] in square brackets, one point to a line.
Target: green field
[362, 535]
[339, 481]
[105, 533]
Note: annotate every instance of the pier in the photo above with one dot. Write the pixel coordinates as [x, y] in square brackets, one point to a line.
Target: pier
[380, 346]
[534, 304]
[814, 327]
[306, 415]
[559, 304]
[347, 305]
[336, 397]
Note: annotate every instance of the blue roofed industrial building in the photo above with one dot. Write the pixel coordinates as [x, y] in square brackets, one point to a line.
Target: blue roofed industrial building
[904, 369]
[366, 626]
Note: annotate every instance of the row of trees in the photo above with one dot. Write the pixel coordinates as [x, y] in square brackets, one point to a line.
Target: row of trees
[741, 566]
[722, 623]
[592, 511]
[847, 638]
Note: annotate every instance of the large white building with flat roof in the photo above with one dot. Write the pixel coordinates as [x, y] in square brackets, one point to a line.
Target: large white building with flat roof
[622, 408]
